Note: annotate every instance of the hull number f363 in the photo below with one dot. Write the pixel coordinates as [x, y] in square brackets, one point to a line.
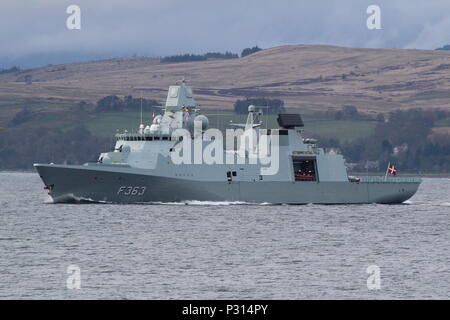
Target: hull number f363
[131, 191]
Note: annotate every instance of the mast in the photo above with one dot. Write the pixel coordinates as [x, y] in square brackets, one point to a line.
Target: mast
[141, 108]
[141, 125]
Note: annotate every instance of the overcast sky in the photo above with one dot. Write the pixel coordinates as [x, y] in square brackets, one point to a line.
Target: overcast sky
[33, 32]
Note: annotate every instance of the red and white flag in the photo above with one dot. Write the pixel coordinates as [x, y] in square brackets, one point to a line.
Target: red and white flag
[392, 169]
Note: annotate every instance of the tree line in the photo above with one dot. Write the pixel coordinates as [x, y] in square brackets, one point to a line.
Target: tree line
[403, 137]
[347, 112]
[446, 47]
[19, 148]
[128, 103]
[249, 51]
[209, 55]
[268, 106]
[13, 69]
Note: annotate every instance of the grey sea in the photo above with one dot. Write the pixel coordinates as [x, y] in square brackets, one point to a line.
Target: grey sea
[202, 250]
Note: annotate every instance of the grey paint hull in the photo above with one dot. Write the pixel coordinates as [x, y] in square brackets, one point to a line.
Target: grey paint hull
[125, 185]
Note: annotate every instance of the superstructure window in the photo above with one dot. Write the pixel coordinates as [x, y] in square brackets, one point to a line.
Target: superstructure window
[231, 174]
[304, 169]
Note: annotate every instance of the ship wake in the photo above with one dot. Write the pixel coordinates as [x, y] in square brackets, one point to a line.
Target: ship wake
[207, 203]
[72, 199]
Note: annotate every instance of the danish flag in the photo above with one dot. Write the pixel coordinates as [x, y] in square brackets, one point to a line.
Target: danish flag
[392, 169]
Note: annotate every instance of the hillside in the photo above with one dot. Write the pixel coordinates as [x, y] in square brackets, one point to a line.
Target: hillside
[306, 77]
[42, 120]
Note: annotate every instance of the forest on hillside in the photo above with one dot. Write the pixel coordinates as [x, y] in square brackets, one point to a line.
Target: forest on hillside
[188, 57]
[405, 137]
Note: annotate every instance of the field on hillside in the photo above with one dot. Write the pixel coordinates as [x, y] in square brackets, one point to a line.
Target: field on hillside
[63, 114]
[310, 77]
[106, 124]
[307, 78]
[345, 130]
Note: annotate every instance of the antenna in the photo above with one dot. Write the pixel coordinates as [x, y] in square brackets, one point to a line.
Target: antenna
[141, 125]
[141, 108]
[267, 114]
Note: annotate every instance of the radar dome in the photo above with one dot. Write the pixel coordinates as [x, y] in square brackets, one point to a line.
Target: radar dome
[201, 119]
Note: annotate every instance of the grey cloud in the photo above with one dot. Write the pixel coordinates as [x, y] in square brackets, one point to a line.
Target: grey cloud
[31, 28]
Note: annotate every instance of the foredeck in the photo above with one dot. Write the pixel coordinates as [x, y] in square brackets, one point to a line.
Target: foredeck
[390, 180]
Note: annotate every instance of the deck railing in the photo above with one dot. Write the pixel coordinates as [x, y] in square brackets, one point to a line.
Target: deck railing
[390, 180]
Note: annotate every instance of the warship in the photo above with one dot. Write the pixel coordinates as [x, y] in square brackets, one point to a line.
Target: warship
[154, 164]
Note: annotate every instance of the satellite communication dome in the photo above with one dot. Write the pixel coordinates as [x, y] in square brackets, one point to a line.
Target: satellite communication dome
[204, 120]
[157, 119]
[199, 118]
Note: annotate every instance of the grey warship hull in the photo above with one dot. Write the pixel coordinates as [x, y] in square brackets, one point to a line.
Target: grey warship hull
[178, 159]
[122, 184]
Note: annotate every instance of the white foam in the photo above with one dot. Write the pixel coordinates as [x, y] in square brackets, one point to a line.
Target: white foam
[49, 200]
[206, 203]
[418, 203]
[71, 198]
